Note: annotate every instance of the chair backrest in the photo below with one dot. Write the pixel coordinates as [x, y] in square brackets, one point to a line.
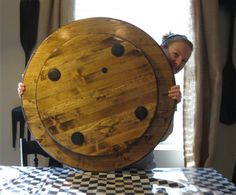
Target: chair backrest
[234, 173]
[32, 147]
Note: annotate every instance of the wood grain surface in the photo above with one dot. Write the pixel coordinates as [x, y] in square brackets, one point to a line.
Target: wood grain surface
[106, 105]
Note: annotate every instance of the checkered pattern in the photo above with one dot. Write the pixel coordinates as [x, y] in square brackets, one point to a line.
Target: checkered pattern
[30, 180]
[208, 179]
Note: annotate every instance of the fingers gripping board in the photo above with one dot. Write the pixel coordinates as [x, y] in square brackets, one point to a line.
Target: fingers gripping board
[96, 94]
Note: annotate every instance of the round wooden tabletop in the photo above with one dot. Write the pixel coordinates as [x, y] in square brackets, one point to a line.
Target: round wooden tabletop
[96, 94]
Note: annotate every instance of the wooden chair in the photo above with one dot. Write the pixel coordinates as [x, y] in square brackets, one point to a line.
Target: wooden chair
[234, 174]
[32, 147]
[18, 117]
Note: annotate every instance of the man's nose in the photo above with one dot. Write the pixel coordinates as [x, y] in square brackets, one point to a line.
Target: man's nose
[178, 61]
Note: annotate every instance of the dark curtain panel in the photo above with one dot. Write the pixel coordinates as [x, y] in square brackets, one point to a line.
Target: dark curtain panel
[211, 34]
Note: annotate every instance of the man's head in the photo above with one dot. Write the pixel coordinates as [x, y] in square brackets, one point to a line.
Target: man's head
[178, 49]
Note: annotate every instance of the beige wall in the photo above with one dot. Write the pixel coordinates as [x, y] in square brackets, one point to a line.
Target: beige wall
[11, 67]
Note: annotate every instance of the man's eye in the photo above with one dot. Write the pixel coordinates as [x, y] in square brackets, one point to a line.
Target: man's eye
[176, 54]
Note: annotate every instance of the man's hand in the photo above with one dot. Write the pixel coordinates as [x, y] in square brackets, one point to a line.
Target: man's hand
[175, 93]
[21, 89]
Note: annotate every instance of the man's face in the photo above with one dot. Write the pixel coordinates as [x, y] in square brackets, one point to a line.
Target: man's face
[178, 53]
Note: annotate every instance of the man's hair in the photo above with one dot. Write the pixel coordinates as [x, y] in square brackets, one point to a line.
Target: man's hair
[171, 37]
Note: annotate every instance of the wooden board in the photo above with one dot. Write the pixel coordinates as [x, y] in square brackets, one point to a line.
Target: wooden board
[96, 94]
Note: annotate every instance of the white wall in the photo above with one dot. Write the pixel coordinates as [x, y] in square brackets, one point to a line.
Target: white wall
[11, 67]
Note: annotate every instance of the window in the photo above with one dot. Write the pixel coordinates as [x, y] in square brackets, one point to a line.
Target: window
[155, 17]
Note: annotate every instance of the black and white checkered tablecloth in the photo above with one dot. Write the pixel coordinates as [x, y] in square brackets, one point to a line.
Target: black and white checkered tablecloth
[45, 180]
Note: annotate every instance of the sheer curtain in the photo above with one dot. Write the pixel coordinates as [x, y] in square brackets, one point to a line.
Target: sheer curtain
[189, 102]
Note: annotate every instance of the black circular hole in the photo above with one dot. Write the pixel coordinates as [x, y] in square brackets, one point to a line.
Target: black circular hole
[77, 138]
[117, 50]
[141, 112]
[104, 70]
[54, 74]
